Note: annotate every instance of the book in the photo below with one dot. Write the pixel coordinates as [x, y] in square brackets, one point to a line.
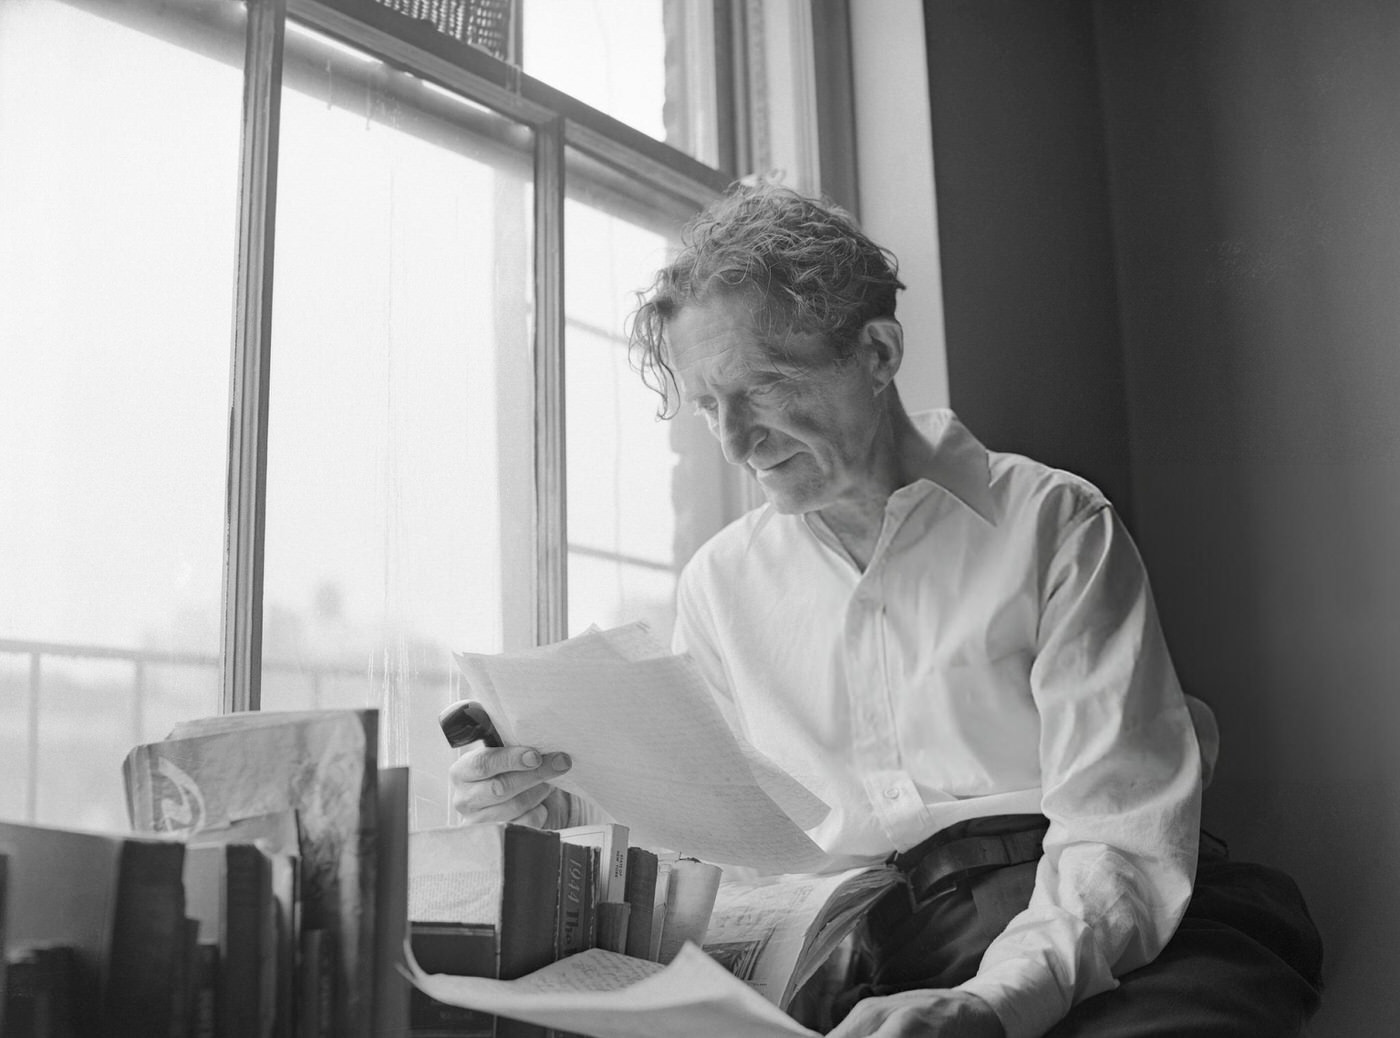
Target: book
[574, 931]
[458, 949]
[391, 904]
[612, 925]
[182, 983]
[4, 942]
[276, 834]
[640, 891]
[611, 910]
[228, 890]
[690, 898]
[773, 933]
[658, 907]
[204, 991]
[501, 875]
[767, 938]
[315, 996]
[594, 859]
[118, 902]
[322, 764]
[40, 992]
[611, 840]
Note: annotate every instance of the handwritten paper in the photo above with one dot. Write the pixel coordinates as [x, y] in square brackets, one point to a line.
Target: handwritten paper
[609, 995]
[650, 746]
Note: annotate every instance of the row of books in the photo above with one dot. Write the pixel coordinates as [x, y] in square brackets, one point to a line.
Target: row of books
[505, 900]
[269, 885]
[260, 893]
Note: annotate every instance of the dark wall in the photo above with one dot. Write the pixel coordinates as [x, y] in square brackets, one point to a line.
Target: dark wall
[1197, 203]
[1034, 364]
[1255, 158]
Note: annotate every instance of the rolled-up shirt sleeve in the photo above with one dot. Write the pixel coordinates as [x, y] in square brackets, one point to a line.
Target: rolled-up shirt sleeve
[1121, 785]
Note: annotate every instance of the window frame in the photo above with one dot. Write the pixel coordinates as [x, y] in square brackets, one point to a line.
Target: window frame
[558, 123]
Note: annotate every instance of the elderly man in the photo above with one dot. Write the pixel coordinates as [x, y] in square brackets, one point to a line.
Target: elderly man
[957, 650]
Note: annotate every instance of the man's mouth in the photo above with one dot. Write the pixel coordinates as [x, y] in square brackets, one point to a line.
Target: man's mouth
[762, 470]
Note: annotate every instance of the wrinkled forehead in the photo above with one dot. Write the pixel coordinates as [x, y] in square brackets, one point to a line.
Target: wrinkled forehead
[736, 336]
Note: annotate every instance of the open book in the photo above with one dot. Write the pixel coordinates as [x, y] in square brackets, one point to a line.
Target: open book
[774, 933]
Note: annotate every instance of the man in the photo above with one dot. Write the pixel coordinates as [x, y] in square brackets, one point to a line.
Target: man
[958, 651]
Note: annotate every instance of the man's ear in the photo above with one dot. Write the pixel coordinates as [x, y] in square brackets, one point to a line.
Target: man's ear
[882, 344]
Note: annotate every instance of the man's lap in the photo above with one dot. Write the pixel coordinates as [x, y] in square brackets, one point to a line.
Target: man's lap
[1244, 963]
[1245, 960]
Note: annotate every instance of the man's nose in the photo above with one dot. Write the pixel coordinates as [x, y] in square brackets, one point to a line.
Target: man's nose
[738, 433]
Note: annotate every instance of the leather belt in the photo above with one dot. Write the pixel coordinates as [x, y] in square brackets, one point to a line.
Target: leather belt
[966, 848]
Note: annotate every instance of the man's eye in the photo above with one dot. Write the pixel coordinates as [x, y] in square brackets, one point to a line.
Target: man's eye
[705, 406]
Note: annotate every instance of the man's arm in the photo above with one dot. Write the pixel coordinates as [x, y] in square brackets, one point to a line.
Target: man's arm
[1121, 781]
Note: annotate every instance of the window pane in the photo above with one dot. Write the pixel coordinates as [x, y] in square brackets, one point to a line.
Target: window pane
[118, 186]
[400, 414]
[642, 493]
[647, 63]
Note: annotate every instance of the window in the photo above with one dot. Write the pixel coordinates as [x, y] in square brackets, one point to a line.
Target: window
[426, 437]
[116, 260]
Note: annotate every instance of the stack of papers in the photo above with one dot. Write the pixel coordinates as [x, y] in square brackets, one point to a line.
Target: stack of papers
[651, 747]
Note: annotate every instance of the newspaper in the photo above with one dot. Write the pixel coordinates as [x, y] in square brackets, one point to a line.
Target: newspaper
[774, 933]
[608, 995]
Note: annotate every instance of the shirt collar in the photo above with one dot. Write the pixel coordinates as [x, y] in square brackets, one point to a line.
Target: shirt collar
[960, 466]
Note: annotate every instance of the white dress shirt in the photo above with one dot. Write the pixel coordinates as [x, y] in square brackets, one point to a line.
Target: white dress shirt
[999, 654]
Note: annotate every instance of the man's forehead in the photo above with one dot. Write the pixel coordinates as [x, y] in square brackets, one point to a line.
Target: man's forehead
[731, 338]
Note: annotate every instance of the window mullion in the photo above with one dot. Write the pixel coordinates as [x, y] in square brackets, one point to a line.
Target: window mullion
[551, 552]
[246, 491]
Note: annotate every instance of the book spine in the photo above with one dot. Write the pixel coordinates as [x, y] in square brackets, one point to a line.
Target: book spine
[590, 917]
[459, 949]
[147, 934]
[182, 980]
[204, 991]
[576, 899]
[615, 859]
[612, 925]
[316, 972]
[529, 905]
[689, 902]
[641, 895]
[391, 902]
[243, 995]
[658, 908]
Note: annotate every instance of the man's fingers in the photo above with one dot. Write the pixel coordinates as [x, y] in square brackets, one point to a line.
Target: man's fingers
[479, 761]
[499, 783]
[508, 810]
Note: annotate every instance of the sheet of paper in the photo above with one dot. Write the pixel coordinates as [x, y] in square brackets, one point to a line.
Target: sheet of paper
[651, 748]
[635, 642]
[614, 996]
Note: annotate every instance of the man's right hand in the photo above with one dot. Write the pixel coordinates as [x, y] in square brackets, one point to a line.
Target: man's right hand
[510, 784]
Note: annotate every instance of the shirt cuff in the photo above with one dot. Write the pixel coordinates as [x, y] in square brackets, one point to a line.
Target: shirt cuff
[1026, 997]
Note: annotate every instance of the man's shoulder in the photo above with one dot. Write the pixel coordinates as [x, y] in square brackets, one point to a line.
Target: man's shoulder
[1018, 485]
[1025, 483]
[1039, 501]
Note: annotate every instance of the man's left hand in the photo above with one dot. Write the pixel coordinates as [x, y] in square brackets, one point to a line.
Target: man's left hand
[929, 1013]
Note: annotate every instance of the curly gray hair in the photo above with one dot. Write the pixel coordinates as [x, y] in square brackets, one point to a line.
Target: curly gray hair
[804, 260]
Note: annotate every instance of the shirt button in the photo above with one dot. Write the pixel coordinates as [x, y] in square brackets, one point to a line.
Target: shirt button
[892, 793]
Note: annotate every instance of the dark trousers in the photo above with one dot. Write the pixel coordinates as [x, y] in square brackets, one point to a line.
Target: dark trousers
[1245, 961]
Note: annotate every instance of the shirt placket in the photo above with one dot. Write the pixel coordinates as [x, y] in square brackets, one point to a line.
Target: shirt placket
[894, 799]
